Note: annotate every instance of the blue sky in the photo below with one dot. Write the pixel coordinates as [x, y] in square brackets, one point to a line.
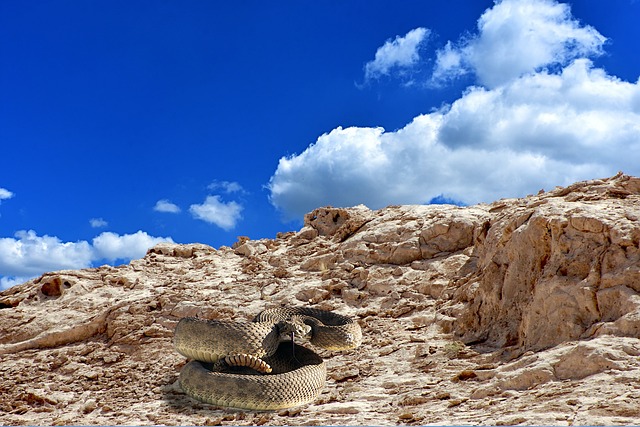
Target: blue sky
[125, 123]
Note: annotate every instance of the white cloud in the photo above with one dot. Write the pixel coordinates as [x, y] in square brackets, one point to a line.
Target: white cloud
[226, 186]
[98, 222]
[214, 211]
[448, 64]
[516, 37]
[400, 53]
[27, 255]
[5, 194]
[223, 214]
[165, 205]
[112, 246]
[534, 130]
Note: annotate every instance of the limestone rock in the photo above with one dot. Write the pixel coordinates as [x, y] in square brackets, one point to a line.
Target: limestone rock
[545, 267]
[520, 311]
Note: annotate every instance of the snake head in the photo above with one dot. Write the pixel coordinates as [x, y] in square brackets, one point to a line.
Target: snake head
[295, 328]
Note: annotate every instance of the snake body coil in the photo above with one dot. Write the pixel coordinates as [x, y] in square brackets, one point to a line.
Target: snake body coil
[245, 364]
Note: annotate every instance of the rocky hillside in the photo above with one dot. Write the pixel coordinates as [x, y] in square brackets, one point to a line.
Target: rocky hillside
[523, 311]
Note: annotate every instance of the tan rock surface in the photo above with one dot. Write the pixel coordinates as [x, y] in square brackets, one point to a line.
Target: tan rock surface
[524, 311]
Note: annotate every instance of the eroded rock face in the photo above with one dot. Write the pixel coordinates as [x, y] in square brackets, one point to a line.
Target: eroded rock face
[520, 311]
[555, 267]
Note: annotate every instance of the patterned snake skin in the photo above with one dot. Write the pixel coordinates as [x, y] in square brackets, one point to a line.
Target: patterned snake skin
[245, 364]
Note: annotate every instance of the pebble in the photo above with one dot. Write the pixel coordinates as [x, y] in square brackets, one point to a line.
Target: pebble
[344, 373]
[89, 406]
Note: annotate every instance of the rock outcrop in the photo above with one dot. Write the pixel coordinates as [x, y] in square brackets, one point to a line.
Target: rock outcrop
[523, 311]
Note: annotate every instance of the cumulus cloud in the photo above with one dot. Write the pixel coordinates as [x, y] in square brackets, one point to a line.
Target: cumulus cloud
[112, 246]
[551, 121]
[27, 255]
[400, 53]
[516, 37]
[165, 205]
[5, 194]
[449, 64]
[215, 211]
[98, 222]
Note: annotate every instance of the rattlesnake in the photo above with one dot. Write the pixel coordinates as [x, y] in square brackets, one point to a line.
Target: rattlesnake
[245, 364]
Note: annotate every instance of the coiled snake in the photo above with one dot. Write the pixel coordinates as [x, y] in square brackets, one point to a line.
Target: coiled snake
[245, 364]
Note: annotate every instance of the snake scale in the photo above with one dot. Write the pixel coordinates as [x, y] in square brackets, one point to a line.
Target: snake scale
[249, 365]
